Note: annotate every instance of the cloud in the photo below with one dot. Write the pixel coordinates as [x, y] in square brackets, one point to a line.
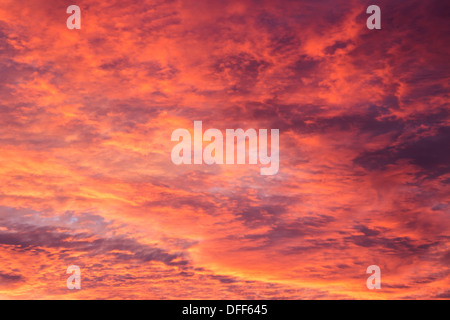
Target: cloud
[85, 123]
[428, 152]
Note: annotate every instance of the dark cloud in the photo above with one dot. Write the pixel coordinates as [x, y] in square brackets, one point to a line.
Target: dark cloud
[10, 278]
[239, 71]
[444, 295]
[29, 234]
[294, 230]
[224, 279]
[431, 153]
[391, 245]
[337, 45]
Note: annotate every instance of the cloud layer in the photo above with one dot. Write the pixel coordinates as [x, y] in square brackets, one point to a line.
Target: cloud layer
[85, 123]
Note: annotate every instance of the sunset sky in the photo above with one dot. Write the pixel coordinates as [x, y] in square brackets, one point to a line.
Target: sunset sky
[86, 118]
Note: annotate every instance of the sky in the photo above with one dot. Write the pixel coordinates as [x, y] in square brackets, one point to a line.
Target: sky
[86, 118]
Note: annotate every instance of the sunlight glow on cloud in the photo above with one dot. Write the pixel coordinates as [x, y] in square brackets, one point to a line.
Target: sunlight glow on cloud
[86, 118]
